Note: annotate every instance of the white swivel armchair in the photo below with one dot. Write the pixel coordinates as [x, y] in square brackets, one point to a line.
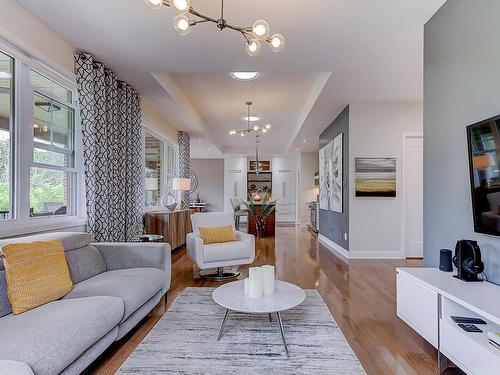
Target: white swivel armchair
[219, 255]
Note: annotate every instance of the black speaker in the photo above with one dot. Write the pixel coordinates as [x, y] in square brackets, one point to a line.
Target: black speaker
[445, 263]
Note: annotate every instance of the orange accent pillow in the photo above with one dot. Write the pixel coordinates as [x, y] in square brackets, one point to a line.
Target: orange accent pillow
[217, 234]
[36, 273]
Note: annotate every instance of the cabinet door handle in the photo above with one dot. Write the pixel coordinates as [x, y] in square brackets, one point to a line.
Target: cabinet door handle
[284, 189]
[235, 189]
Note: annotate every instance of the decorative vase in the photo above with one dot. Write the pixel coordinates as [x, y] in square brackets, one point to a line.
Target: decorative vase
[260, 224]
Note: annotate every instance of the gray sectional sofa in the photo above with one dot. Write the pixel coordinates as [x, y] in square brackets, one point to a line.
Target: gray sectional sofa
[115, 286]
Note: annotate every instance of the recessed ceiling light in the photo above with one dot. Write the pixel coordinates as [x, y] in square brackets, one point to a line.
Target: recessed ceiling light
[200, 141]
[304, 140]
[251, 118]
[5, 75]
[245, 76]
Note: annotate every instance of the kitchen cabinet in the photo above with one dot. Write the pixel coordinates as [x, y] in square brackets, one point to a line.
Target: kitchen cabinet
[284, 170]
[235, 180]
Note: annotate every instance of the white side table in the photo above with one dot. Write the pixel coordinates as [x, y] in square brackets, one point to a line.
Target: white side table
[232, 297]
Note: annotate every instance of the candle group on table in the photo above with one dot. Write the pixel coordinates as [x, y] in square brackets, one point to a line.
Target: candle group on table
[260, 282]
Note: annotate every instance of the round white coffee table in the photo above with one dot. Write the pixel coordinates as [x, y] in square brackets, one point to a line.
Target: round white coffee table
[232, 297]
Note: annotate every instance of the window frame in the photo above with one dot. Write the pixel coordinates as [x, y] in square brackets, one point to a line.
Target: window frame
[163, 168]
[72, 171]
[23, 145]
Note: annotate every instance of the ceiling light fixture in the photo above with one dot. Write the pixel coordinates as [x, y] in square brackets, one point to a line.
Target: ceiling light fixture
[253, 35]
[255, 130]
[251, 118]
[245, 76]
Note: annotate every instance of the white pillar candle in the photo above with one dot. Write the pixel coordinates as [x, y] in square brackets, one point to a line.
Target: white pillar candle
[255, 284]
[268, 277]
[247, 286]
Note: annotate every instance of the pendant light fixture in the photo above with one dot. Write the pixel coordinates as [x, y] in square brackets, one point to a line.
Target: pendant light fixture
[256, 130]
[254, 35]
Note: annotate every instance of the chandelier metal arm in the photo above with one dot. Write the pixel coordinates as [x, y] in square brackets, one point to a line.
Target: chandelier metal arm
[275, 41]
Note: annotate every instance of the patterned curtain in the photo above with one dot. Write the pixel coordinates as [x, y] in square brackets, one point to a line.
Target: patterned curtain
[184, 141]
[112, 150]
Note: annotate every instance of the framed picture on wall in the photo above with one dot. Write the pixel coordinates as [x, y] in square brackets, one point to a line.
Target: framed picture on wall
[264, 166]
[330, 176]
[375, 177]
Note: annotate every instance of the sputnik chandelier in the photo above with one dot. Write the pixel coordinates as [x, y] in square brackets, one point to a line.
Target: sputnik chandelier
[257, 130]
[254, 35]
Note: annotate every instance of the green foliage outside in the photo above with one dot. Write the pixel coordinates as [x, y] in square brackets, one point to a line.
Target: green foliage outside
[46, 185]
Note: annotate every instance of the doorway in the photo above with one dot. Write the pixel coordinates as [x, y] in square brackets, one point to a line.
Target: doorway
[413, 195]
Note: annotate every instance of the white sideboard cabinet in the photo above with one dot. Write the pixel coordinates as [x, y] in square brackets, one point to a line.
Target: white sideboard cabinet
[427, 298]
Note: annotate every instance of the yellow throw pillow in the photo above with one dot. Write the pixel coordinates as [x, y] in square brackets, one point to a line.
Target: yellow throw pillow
[36, 273]
[217, 234]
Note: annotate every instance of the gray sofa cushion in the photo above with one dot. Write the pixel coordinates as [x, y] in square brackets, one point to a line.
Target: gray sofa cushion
[14, 368]
[70, 240]
[5, 307]
[52, 336]
[133, 286]
[84, 263]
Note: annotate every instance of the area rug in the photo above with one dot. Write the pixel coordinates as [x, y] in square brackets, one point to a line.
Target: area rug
[184, 341]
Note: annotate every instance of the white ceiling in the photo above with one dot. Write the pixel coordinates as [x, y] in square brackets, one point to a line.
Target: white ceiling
[373, 50]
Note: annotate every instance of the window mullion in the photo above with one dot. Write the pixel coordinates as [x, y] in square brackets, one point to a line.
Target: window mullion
[24, 110]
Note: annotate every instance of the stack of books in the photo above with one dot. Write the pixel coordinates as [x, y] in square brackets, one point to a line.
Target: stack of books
[494, 339]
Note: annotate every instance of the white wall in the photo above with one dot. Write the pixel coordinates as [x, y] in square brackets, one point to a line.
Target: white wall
[157, 123]
[210, 173]
[37, 40]
[308, 164]
[376, 130]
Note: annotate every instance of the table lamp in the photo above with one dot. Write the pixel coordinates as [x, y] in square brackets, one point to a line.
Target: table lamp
[482, 163]
[181, 184]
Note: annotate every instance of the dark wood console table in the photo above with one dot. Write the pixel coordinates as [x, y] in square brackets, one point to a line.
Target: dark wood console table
[173, 226]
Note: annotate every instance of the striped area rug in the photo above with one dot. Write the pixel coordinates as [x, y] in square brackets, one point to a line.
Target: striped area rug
[184, 341]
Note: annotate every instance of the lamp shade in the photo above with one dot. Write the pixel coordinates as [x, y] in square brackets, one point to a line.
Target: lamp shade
[482, 162]
[181, 184]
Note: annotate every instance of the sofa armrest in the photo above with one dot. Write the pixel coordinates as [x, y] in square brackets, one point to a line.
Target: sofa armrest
[122, 255]
[194, 245]
[249, 239]
[14, 368]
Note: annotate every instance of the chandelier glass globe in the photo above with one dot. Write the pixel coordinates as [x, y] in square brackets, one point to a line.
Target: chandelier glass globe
[181, 5]
[181, 24]
[277, 42]
[261, 29]
[253, 47]
[154, 4]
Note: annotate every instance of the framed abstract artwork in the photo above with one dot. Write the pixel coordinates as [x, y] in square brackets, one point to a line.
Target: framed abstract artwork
[330, 176]
[375, 177]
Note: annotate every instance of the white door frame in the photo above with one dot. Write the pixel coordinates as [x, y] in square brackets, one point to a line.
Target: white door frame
[404, 140]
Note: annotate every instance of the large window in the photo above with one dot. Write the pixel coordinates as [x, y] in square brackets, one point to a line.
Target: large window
[160, 167]
[153, 148]
[41, 161]
[53, 173]
[6, 136]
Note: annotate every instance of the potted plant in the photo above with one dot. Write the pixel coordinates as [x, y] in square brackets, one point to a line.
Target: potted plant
[260, 219]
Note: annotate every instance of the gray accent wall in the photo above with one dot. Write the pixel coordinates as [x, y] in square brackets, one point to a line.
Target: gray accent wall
[210, 173]
[332, 224]
[461, 87]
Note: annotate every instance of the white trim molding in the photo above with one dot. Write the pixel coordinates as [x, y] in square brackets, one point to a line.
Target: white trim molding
[333, 247]
[346, 254]
[404, 140]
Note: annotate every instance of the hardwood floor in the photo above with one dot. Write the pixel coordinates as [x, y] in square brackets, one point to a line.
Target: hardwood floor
[361, 296]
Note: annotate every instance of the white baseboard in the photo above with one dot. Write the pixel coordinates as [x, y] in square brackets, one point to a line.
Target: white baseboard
[376, 255]
[333, 247]
[339, 250]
